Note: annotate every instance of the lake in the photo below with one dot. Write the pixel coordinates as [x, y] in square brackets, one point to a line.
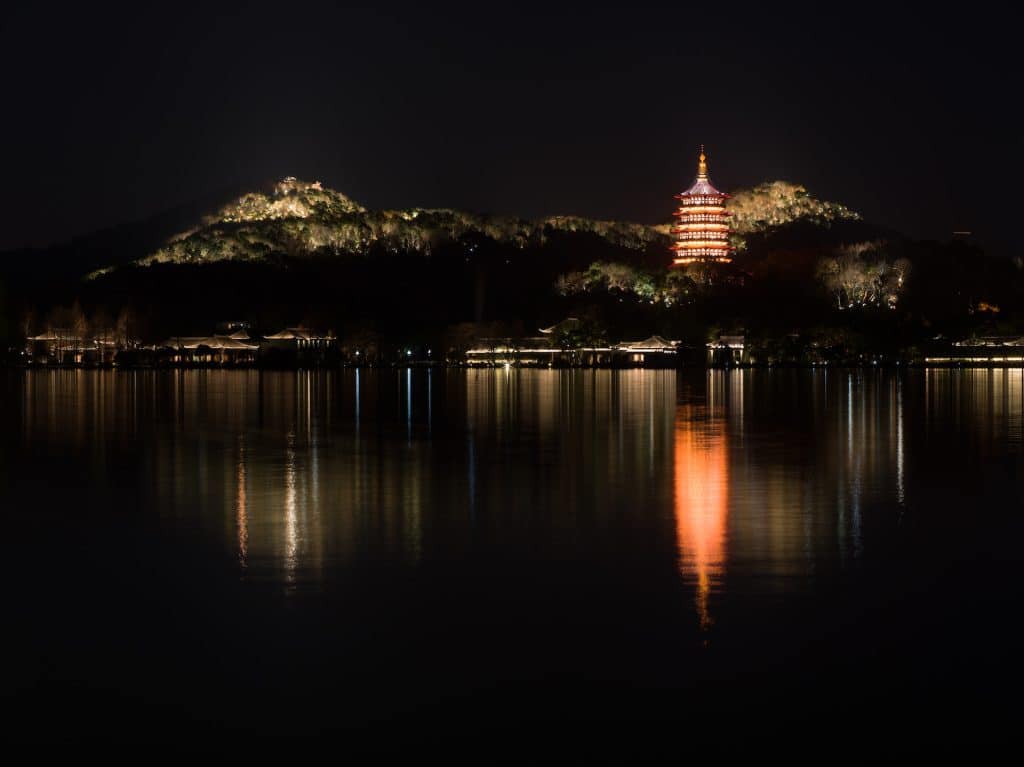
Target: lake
[601, 560]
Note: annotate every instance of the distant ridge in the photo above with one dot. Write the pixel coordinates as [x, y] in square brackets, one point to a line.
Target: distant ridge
[115, 245]
[296, 218]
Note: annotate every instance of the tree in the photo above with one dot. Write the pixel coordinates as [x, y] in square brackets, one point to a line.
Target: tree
[859, 274]
[79, 326]
[571, 283]
[28, 323]
[124, 328]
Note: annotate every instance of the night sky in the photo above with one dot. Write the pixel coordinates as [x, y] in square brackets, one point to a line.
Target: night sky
[112, 116]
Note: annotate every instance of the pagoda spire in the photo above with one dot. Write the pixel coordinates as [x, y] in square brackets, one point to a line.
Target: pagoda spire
[702, 165]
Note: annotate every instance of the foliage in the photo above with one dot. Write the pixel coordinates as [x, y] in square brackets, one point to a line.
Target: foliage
[584, 333]
[860, 274]
[290, 199]
[301, 219]
[776, 203]
[669, 287]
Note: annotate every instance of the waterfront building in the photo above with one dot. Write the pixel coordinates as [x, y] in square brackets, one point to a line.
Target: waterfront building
[979, 350]
[651, 350]
[65, 346]
[57, 346]
[300, 338]
[211, 350]
[557, 347]
[298, 346]
[727, 350]
[702, 226]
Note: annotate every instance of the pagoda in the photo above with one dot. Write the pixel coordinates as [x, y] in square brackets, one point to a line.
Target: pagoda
[702, 231]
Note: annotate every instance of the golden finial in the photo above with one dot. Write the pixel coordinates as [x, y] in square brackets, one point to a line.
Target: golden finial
[702, 166]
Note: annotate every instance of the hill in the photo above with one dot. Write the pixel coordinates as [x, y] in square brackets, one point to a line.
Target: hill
[298, 252]
[298, 219]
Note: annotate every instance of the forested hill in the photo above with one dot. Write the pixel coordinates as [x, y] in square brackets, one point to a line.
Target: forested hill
[299, 252]
[293, 218]
[301, 219]
[298, 219]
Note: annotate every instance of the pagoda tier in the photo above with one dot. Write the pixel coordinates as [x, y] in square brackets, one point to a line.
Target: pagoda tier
[702, 229]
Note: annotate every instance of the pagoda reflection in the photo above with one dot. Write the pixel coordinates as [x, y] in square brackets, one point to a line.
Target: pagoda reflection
[701, 498]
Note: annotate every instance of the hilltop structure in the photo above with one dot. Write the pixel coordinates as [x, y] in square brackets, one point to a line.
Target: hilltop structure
[702, 231]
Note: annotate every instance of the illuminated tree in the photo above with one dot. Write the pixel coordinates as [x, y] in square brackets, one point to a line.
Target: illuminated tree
[859, 275]
[123, 328]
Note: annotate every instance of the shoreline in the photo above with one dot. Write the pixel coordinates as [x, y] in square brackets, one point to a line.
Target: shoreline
[980, 364]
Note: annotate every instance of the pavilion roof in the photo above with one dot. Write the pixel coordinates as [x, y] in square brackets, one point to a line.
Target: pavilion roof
[651, 342]
[211, 342]
[569, 323]
[295, 334]
[50, 335]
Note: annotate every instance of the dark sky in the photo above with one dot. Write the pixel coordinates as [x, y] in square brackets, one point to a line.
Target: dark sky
[911, 117]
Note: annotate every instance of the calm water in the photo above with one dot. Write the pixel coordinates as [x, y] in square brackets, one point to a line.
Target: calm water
[606, 559]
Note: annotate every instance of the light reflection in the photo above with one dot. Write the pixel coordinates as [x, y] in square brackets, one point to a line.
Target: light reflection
[788, 474]
[900, 450]
[408, 405]
[291, 522]
[242, 508]
[701, 503]
[357, 399]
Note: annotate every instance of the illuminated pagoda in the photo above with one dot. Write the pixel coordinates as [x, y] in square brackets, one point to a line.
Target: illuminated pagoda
[702, 231]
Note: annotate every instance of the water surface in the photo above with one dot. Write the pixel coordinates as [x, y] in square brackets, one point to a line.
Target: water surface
[235, 558]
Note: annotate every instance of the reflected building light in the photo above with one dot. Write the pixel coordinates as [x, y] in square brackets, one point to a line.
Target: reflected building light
[701, 506]
[849, 481]
[471, 476]
[857, 517]
[357, 402]
[309, 407]
[27, 401]
[736, 398]
[927, 396]
[849, 414]
[900, 456]
[312, 498]
[1017, 405]
[242, 508]
[650, 427]
[412, 507]
[291, 522]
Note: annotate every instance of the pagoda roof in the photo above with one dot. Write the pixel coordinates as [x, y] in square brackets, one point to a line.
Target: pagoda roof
[702, 185]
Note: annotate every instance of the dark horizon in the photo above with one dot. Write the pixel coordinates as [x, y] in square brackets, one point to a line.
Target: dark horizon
[599, 113]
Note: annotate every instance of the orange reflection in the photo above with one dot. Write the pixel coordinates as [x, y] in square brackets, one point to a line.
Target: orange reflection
[701, 504]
